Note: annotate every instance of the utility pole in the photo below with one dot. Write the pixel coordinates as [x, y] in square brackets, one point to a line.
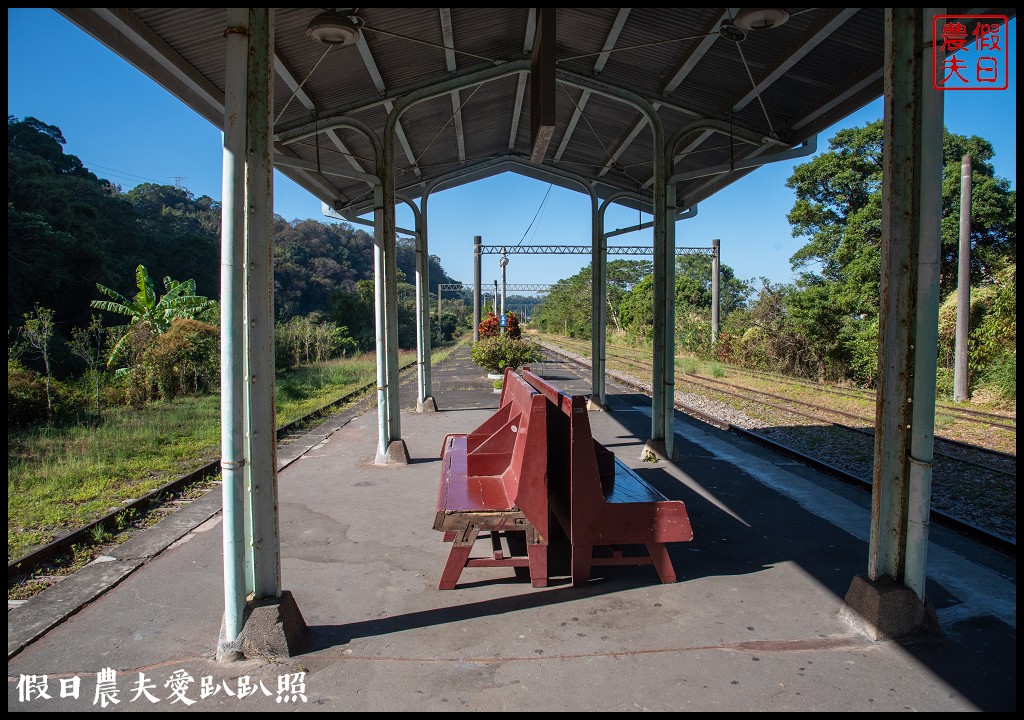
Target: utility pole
[961, 384]
[504, 264]
[716, 274]
[477, 288]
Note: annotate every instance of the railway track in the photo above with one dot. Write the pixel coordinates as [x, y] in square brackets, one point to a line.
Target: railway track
[983, 431]
[975, 495]
[1002, 420]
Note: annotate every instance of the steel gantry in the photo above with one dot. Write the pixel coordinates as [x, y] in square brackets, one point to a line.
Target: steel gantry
[465, 287]
[585, 250]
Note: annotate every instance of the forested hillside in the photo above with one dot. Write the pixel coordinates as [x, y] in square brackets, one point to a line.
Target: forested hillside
[69, 230]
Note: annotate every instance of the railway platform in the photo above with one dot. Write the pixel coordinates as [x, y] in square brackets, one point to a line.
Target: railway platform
[753, 624]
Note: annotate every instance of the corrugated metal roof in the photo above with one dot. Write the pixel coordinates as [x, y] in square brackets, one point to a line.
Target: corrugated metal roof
[671, 57]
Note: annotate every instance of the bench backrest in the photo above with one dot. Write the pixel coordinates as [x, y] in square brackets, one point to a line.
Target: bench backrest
[513, 444]
[578, 466]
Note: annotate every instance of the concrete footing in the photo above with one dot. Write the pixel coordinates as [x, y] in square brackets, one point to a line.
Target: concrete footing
[273, 627]
[426, 405]
[654, 451]
[594, 406]
[883, 609]
[397, 454]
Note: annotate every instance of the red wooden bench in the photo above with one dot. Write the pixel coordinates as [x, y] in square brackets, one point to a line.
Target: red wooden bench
[494, 479]
[599, 500]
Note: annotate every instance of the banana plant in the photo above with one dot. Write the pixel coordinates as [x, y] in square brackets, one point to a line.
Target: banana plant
[155, 314]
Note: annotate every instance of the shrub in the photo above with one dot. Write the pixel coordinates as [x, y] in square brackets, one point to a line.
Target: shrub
[443, 330]
[185, 359]
[494, 354]
[26, 396]
[1001, 378]
[490, 326]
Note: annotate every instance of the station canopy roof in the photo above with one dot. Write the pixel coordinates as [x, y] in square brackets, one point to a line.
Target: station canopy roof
[749, 81]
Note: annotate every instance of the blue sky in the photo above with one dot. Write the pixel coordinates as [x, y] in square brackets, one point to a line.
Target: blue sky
[129, 130]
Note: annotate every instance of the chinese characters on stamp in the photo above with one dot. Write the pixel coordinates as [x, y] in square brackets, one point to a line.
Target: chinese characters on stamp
[971, 52]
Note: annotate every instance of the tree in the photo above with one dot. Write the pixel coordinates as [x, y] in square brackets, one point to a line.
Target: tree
[38, 335]
[623, 276]
[88, 344]
[146, 311]
[839, 210]
[834, 304]
[567, 309]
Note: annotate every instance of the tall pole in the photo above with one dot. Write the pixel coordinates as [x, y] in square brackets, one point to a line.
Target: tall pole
[504, 264]
[477, 289]
[262, 466]
[961, 386]
[598, 298]
[232, 283]
[911, 252]
[716, 272]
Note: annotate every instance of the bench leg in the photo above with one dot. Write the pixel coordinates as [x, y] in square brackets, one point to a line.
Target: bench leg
[461, 548]
[538, 555]
[582, 558]
[662, 562]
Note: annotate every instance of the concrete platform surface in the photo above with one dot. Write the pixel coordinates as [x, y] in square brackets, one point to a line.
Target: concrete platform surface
[752, 625]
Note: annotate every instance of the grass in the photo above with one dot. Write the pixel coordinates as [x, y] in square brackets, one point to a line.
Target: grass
[688, 366]
[62, 478]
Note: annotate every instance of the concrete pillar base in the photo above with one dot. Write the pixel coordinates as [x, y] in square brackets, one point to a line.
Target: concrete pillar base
[273, 627]
[397, 454]
[594, 406]
[886, 609]
[654, 451]
[426, 405]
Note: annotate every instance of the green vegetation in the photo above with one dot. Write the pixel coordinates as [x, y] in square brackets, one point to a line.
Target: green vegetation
[59, 478]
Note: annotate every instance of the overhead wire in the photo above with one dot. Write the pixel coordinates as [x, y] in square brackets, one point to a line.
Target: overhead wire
[536, 214]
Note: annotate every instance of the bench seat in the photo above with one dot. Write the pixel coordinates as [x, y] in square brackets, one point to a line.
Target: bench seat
[494, 480]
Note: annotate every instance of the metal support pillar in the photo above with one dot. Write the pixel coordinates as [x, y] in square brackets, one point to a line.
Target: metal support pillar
[270, 622]
[911, 251]
[380, 329]
[599, 307]
[391, 447]
[477, 240]
[662, 439]
[424, 400]
[961, 380]
[261, 470]
[232, 324]
[716, 277]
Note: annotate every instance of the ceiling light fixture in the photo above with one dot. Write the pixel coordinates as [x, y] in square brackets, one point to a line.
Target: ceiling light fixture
[761, 18]
[334, 28]
[731, 33]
